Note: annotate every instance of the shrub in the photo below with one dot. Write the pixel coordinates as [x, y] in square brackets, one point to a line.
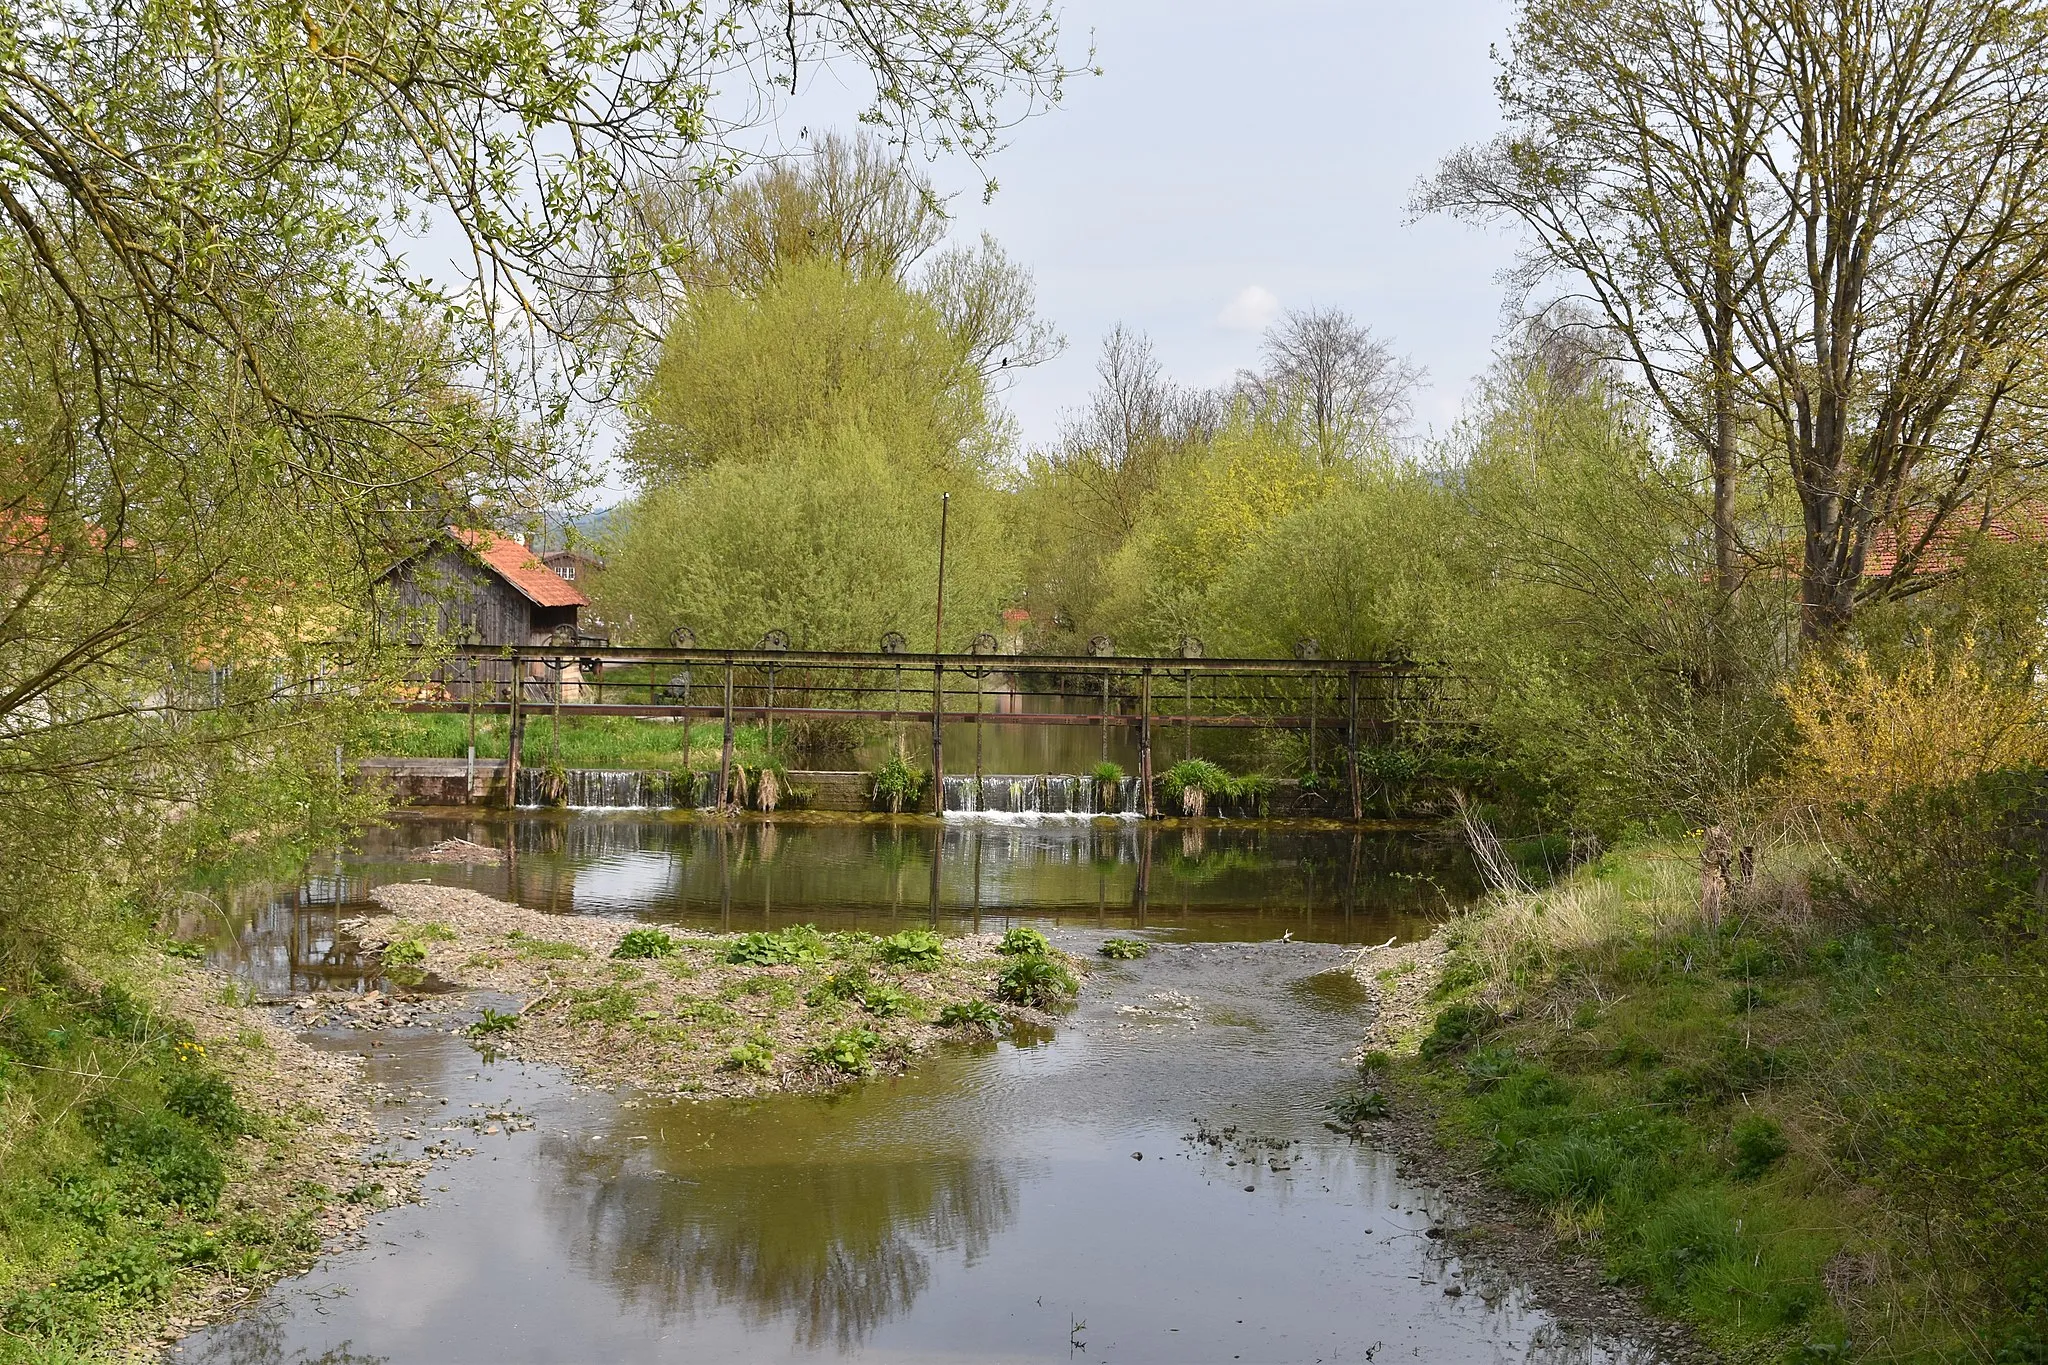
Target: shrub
[645, 943]
[1107, 771]
[1759, 1145]
[1458, 1027]
[1124, 949]
[1036, 980]
[972, 1014]
[849, 1050]
[912, 948]
[1023, 940]
[898, 786]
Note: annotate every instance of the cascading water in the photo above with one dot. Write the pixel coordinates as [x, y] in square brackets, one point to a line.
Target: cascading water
[1050, 796]
[611, 789]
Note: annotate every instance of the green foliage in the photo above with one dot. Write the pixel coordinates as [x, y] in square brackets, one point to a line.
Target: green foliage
[795, 946]
[644, 943]
[205, 1097]
[1358, 1107]
[404, 952]
[757, 1057]
[547, 949]
[1034, 980]
[919, 948]
[494, 1024]
[1759, 1145]
[607, 1005]
[975, 1014]
[848, 983]
[898, 786]
[886, 1002]
[1124, 949]
[1458, 1027]
[1024, 940]
[1107, 772]
[850, 1050]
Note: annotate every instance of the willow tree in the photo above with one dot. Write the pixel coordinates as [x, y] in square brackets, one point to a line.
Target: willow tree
[1822, 217]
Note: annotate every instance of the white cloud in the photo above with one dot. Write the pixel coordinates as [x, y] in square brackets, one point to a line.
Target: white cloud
[1253, 310]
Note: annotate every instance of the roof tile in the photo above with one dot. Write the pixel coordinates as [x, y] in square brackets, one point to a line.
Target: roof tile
[515, 564]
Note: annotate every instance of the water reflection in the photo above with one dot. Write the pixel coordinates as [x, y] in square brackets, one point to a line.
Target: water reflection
[1220, 883]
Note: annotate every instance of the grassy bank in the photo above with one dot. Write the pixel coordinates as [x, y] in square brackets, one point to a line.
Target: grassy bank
[140, 1186]
[1814, 1137]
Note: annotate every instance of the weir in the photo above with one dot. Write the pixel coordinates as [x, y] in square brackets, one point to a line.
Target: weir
[1045, 796]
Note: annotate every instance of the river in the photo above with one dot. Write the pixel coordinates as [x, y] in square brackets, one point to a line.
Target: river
[1152, 1182]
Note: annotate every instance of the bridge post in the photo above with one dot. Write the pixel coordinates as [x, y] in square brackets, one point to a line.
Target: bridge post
[725, 754]
[938, 744]
[1145, 741]
[1351, 748]
[515, 742]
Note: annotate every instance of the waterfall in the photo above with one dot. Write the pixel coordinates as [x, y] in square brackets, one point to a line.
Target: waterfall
[1051, 796]
[611, 789]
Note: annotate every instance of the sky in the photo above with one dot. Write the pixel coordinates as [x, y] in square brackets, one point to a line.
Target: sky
[1234, 160]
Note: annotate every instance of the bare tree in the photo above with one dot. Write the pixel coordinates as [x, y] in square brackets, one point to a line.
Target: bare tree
[1351, 389]
[1827, 214]
[1114, 449]
[991, 307]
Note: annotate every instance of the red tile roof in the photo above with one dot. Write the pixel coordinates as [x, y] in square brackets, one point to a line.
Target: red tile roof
[1944, 551]
[515, 564]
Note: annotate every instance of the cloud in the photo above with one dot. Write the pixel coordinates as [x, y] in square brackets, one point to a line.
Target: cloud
[1253, 310]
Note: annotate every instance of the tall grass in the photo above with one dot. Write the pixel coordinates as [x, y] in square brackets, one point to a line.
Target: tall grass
[583, 742]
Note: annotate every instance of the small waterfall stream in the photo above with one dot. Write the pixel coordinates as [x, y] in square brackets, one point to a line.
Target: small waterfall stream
[613, 789]
[1039, 797]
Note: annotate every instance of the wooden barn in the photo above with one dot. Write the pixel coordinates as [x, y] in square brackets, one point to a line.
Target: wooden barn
[483, 588]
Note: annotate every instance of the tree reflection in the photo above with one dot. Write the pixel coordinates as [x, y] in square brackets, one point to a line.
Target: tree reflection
[832, 1247]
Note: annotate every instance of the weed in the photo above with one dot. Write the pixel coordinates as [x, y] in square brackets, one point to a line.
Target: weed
[1759, 1144]
[645, 943]
[206, 1098]
[1107, 772]
[1035, 980]
[757, 1057]
[547, 949]
[427, 931]
[920, 948]
[607, 1005]
[1746, 997]
[795, 946]
[1124, 949]
[848, 983]
[178, 947]
[706, 1012]
[404, 952]
[849, 1050]
[1458, 1027]
[972, 1014]
[898, 786]
[1023, 940]
[885, 1002]
[165, 1155]
[1360, 1106]
[492, 1024]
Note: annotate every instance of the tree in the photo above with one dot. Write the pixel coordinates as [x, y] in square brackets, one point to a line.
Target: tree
[1350, 388]
[1826, 213]
[743, 378]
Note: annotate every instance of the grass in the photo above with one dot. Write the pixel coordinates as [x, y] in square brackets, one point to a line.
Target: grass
[584, 741]
[1735, 1117]
[121, 1148]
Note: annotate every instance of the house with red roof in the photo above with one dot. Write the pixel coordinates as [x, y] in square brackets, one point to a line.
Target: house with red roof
[483, 588]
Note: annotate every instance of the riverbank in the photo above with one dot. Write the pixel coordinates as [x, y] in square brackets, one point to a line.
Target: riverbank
[1751, 1123]
[167, 1151]
[688, 1013]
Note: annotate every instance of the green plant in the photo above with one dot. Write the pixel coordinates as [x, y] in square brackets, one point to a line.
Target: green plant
[547, 949]
[885, 1002]
[757, 1056]
[405, 952]
[795, 946]
[972, 1014]
[206, 1098]
[1457, 1027]
[493, 1023]
[912, 948]
[606, 1005]
[898, 786]
[845, 984]
[645, 943]
[1107, 772]
[1360, 1106]
[1759, 1144]
[1023, 940]
[849, 1050]
[1124, 949]
[1036, 980]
